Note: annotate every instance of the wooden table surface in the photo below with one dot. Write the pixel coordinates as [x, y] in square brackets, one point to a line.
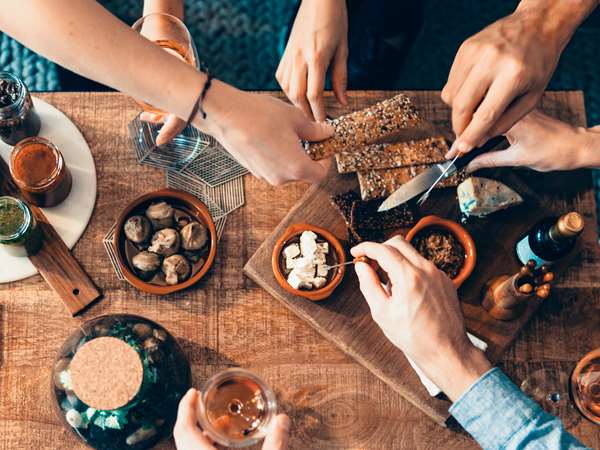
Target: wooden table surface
[227, 320]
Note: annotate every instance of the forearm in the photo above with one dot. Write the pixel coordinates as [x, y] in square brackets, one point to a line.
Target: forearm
[173, 7]
[499, 415]
[557, 19]
[86, 38]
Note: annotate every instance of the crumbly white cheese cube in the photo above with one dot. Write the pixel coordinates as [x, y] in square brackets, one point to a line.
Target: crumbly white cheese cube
[291, 251]
[319, 259]
[322, 270]
[305, 266]
[319, 282]
[323, 247]
[291, 263]
[298, 281]
[479, 196]
[308, 243]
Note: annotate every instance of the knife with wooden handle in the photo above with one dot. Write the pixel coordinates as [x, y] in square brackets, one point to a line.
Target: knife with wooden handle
[54, 260]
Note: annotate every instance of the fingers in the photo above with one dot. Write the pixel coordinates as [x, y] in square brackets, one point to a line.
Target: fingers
[501, 158]
[316, 85]
[467, 99]
[339, 74]
[152, 117]
[315, 171]
[278, 437]
[370, 286]
[500, 95]
[296, 91]
[172, 127]
[187, 434]
[314, 131]
[407, 250]
[461, 67]
[388, 258]
[515, 112]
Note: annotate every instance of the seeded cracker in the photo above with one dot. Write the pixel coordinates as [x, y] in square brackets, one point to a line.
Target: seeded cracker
[389, 156]
[367, 126]
[381, 183]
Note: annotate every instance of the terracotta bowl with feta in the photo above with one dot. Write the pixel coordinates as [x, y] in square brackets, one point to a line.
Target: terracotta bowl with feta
[165, 241]
[302, 260]
[447, 244]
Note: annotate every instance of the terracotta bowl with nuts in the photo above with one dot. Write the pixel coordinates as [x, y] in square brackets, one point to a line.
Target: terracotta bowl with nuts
[166, 241]
[447, 244]
[301, 261]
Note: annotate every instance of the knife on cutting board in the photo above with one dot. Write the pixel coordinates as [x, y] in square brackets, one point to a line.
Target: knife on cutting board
[429, 177]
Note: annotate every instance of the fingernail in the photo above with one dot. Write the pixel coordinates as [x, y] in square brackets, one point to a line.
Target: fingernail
[360, 268]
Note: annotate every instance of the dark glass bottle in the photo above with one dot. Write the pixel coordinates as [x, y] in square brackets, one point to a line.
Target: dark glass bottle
[550, 239]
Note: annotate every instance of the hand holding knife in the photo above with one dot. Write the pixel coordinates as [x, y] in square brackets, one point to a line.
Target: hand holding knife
[429, 178]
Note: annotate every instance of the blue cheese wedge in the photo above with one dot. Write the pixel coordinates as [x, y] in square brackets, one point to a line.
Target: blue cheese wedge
[479, 196]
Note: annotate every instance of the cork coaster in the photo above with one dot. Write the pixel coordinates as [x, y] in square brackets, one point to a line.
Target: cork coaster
[106, 373]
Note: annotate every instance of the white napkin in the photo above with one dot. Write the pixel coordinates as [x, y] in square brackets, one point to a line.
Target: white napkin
[432, 388]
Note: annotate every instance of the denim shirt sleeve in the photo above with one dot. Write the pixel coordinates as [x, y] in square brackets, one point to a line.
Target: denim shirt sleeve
[500, 416]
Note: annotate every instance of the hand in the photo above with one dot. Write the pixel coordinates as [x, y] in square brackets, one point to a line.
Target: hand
[499, 75]
[172, 125]
[189, 436]
[318, 41]
[263, 134]
[418, 311]
[543, 143]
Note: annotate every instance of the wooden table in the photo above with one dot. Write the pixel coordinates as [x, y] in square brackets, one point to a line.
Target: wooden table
[334, 402]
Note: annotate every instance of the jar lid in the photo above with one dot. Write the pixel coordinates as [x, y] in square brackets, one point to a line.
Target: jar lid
[35, 163]
[15, 218]
[106, 373]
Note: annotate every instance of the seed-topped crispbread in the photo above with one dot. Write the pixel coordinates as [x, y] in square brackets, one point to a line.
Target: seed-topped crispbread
[367, 126]
[389, 156]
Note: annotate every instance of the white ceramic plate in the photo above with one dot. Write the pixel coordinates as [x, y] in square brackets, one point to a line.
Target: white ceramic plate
[71, 216]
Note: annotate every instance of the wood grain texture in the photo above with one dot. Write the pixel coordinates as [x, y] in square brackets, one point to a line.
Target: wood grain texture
[54, 260]
[334, 402]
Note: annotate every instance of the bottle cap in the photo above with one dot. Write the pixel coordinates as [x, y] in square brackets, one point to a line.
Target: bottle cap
[570, 224]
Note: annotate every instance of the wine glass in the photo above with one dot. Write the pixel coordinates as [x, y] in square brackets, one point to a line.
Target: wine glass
[568, 396]
[171, 34]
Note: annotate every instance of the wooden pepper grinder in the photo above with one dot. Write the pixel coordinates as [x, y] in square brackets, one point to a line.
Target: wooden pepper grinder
[505, 297]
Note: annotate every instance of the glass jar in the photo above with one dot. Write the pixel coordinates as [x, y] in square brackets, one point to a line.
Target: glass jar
[236, 408]
[19, 232]
[39, 170]
[117, 382]
[18, 118]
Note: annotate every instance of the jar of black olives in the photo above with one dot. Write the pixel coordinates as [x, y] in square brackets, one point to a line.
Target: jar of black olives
[18, 118]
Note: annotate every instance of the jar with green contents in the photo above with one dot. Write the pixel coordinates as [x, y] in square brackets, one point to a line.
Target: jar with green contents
[19, 233]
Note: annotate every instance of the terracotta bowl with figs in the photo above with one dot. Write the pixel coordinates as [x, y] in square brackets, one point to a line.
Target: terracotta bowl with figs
[165, 241]
[336, 255]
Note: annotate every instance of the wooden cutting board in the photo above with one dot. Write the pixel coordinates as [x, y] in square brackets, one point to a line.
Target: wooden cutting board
[344, 318]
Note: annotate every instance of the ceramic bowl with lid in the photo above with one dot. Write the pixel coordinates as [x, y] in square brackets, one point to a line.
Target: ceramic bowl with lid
[117, 382]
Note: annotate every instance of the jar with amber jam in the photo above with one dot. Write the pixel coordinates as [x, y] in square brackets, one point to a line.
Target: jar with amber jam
[39, 170]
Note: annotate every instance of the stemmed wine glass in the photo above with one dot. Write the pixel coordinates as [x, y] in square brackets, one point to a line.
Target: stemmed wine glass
[565, 396]
[172, 35]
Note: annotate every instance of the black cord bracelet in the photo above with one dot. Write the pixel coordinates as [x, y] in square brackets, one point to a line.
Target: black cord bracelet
[200, 100]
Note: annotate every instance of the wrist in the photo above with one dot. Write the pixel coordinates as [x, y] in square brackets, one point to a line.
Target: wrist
[556, 21]
[218, 106]
[588, 148]
[456, 371]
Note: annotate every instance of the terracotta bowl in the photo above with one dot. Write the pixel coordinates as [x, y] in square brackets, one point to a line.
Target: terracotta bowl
[460, 234]
[296, 230]
[176, 199]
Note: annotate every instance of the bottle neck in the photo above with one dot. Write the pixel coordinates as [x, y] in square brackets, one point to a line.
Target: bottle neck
[555, 235]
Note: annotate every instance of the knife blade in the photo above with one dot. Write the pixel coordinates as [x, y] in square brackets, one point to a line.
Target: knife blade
[428, 177]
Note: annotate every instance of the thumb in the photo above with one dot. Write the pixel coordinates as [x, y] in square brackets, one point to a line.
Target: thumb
[172, 127]
[500, 158]
[339, 74]
[314, 131]
[278, 437]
